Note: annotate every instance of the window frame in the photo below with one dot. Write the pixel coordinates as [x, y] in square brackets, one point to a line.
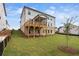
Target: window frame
[29, 13]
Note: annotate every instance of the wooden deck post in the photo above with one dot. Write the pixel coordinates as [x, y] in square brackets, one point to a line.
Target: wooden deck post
[34, 32]
[34, 28]
[39, 27]
[28, 31]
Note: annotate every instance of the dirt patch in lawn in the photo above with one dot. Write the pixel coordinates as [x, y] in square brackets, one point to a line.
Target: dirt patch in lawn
[70, 50]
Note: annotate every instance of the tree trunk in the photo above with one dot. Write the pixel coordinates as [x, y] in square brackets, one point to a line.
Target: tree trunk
[67, 38]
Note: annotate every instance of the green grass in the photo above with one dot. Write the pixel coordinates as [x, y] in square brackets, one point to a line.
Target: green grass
[39, 46]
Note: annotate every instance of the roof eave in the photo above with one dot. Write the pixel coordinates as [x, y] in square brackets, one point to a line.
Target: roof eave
[4, 9]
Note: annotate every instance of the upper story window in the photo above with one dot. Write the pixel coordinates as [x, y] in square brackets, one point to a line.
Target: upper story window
[29, 13]
[48, 24]
[47, 17]
[51, 24]
[51, 19]
[0, 17]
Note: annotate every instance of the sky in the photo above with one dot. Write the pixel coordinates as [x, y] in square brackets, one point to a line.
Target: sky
[59, 10]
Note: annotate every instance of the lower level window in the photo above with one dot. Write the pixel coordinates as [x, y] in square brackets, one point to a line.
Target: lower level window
[43, 31]
[51, 31]
[48, 31]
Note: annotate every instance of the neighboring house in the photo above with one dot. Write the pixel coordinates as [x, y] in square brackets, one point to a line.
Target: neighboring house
[61, 29]
[3, 21]
[74, 29]
[36, 23]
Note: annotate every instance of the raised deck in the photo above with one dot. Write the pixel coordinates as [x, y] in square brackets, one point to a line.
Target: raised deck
[35, 24]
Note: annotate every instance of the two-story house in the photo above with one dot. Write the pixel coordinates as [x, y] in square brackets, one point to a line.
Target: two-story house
[36, 23]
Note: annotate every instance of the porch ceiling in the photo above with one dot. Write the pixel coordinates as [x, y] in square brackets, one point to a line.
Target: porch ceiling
[39, 17]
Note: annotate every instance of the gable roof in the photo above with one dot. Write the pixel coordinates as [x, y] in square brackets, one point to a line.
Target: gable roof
[36, 11]
[4, 9]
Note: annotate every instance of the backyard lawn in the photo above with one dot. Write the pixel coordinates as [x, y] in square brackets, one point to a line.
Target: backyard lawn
[39, 46]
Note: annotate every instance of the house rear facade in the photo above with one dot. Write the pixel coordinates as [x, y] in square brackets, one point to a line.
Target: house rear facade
[36, 23]
[3, 21]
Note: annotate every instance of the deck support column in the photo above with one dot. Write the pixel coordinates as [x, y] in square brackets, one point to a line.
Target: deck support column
[28, 31]
[39, 27]
[34, 32]
[34, 28]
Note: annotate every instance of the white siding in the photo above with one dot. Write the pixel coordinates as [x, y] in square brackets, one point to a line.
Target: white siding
[33, 14]
[50, 21]
[23, 18]
[51, 25]
[2, 17]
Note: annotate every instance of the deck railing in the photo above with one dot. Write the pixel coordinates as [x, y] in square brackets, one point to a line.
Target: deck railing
[35, 23]
[5, 32]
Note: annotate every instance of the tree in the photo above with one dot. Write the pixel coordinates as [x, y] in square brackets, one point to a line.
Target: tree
[68, 25]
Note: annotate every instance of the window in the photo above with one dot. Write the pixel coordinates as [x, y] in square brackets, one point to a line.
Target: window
[29, 13]
[43, 31]
[51, 31]
[0, 17]
[51, 19]
[48, 24]
[47, 17]
[48, 31]
[51, 24]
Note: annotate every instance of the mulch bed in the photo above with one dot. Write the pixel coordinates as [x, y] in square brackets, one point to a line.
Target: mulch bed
[68, 49]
